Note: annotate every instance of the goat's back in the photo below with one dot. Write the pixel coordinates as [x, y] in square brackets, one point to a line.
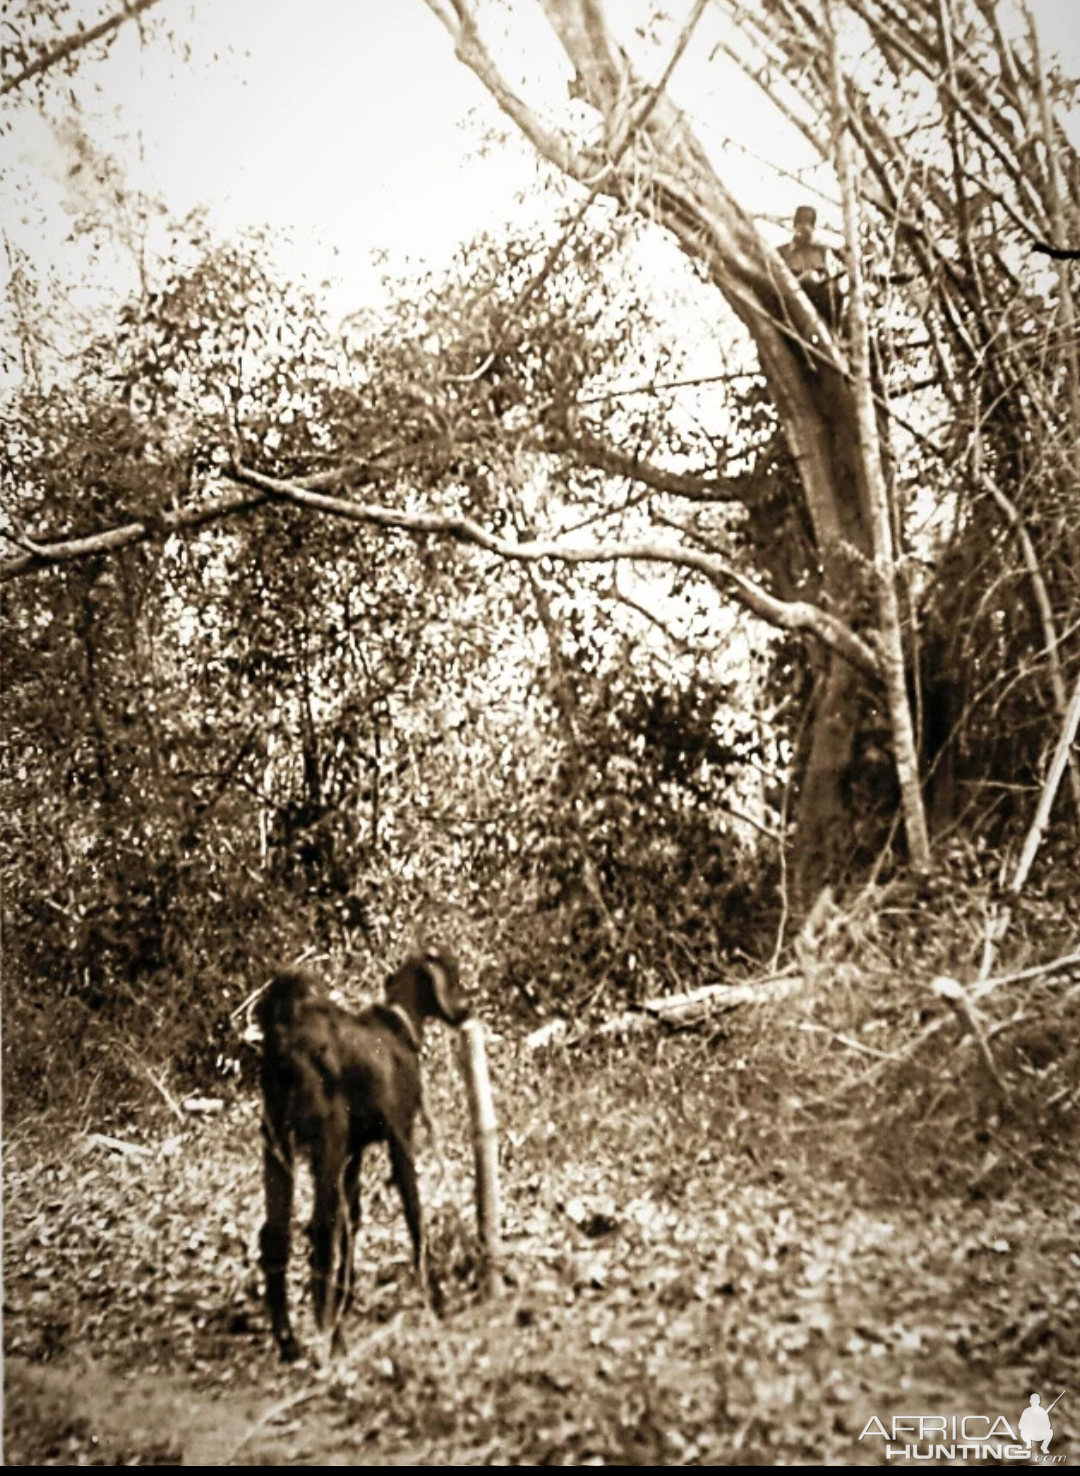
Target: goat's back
[380, 1068]
[323, 1064]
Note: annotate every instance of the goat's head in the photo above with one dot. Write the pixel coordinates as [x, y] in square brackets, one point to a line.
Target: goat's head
[283, 998]
[428, 985]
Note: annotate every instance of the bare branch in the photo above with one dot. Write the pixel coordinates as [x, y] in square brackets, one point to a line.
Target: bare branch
[788, 615]
[73, 43]
[591, 451]
[1057, 253]
[39, 554]
[44, 549]
[255, 488]
[980, 123]
[1066, 740]
[1042, 603]
[885, 569]
[620, 597]
[460, 21]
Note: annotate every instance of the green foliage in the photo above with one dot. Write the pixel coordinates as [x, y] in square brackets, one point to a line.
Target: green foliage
[642, 876]
[183, 718]
[282, 733]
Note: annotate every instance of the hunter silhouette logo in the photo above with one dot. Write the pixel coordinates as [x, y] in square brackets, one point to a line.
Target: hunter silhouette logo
[979, 1437]
[1035, 1425]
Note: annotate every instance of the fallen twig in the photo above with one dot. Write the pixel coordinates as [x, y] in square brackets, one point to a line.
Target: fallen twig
[117, 1145]
[956, 996]
[268, 1417]
[159, 1086]
[677, 1010]
[852, 1045]
[979, 991]
[1036, 971]
[685, 1009]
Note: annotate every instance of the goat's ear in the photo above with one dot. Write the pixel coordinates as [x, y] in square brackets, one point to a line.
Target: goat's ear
[442, 971]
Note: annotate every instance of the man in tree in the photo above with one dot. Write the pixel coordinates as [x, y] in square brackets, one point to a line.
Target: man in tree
[815, 267]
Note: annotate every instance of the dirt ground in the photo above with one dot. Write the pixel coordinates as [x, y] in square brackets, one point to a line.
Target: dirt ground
[683, 1286]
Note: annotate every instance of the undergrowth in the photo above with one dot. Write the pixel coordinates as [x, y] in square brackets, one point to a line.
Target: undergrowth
[869, 1062]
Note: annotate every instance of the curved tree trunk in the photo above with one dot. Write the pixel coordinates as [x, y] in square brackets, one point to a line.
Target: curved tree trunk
[651, 162]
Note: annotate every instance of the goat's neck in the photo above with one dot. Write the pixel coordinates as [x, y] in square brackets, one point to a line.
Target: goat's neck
[414, 1028]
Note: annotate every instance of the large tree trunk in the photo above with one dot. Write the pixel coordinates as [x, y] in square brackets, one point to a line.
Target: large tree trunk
[817, 414]
[651, 162]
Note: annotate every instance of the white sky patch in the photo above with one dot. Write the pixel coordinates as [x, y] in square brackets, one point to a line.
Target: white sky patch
[345, 127]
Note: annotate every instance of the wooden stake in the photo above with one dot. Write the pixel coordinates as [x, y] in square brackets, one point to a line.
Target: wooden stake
[485, 1149]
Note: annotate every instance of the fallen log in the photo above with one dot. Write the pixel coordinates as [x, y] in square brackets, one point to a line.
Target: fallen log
[678, 1011]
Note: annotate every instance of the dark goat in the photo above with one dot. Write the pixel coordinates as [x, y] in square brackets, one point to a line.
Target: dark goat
[333, 1082]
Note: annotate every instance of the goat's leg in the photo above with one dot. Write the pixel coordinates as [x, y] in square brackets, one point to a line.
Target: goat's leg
[328, 1169]
[348, 1226]
[274, 1237]
[404, 1172]
[351, 1229]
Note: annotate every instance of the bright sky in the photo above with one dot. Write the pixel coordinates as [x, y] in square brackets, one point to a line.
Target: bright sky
[349, 127]
[345, 126]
